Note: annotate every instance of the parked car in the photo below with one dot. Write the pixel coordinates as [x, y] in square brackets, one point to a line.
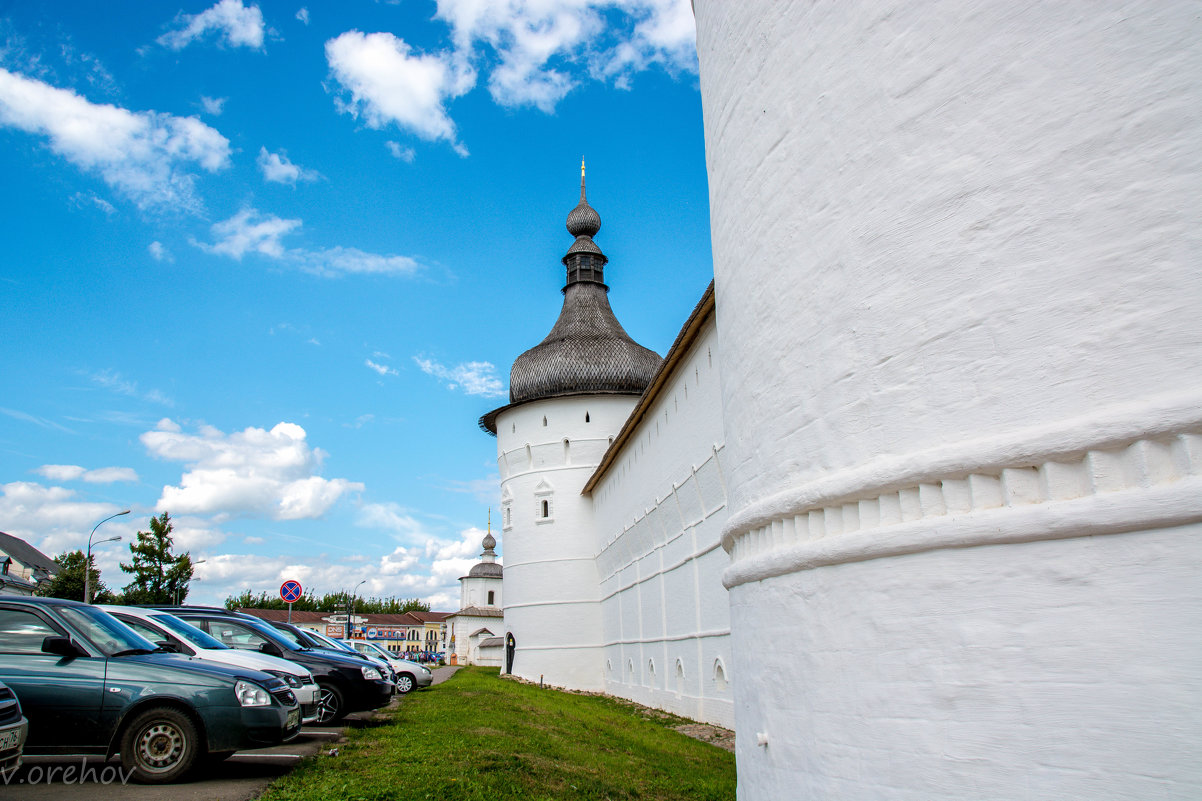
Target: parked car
[311, 639]
[13, 730]
[167, 630]
[347, 684]
[409, 674]
[90, 685]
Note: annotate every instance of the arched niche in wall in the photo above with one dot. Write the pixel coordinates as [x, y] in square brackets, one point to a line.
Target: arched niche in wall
[720, 678]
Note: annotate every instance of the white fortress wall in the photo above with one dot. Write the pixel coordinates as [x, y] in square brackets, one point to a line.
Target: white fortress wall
[659, 510]
[957, 247]
[550, 590]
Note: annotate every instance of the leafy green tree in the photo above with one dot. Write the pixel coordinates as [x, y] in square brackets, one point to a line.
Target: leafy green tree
[160, 577]
[328, 602]
[69, 580]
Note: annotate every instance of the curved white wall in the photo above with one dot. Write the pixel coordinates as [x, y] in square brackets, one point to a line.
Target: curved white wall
[956, 252]
[551, 591]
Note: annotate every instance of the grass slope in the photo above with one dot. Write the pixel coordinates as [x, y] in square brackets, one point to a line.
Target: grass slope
[478, 736]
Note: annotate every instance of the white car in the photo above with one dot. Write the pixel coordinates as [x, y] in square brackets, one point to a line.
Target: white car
[163, 627]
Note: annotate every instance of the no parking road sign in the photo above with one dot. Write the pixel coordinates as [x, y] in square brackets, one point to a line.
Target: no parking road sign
[291, 591]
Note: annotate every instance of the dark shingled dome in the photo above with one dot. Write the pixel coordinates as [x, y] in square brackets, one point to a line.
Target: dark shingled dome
[587, 352]
[486, 570]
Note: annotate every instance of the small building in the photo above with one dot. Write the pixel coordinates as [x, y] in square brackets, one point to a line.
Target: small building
[414, 634]
[477, 629]
[22, 566]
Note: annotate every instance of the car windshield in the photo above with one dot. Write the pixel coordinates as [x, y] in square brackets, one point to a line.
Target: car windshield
[269, 632]
[384, 652]
[292, 637]
[190, 633]
[106, 632]
[331, 643]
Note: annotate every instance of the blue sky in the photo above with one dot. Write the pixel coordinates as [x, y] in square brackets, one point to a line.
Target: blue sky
[266, 264]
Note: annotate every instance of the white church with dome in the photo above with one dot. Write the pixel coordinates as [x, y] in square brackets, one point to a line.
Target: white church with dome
[914, 501]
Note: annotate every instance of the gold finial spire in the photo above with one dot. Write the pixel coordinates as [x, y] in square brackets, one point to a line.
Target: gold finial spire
[582, 179]
[490, 520]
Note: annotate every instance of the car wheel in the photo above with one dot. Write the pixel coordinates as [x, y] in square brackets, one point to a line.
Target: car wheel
[330, 706]
[160, 746]
[405, 683]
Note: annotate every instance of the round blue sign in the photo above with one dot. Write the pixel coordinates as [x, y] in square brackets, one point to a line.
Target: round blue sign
[291, 591]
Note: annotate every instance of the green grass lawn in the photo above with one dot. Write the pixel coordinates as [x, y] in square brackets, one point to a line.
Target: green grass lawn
[478, 736]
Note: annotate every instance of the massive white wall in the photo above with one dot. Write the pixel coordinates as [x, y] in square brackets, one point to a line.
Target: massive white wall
[956, 247]
[659, 511]
[546, 451]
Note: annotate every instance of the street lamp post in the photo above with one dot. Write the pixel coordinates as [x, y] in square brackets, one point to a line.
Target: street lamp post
[87, 565]
[189, 581]
[350, 608]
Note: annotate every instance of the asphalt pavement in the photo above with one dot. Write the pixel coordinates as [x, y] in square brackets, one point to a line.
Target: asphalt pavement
[241, 777]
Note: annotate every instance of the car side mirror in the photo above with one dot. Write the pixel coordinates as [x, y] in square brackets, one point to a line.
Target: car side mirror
[270, 649]
[62, 646]
[168, 646]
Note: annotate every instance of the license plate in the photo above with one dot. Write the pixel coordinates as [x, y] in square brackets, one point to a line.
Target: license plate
[293, 718]
[10, 739]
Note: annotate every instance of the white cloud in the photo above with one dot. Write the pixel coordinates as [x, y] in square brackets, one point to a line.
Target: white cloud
[91, 198]
[237, 26]
[253, 473]
[17, 414]
[53, 519]
[147, 156]
[389, 83]
[382, 369]
[71, 472]
[248, 231]
[401, 152]
[159, 252]
[474, 378]
[109, 475]
[537, 44]
[213, 105]
[393, 518]
[114, 381]
[303, 15]
[277, 168]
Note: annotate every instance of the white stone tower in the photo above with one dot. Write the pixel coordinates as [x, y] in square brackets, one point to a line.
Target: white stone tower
[569, 396]
[957, 250]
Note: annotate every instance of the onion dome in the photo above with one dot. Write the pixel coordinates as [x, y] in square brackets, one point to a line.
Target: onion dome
[587, 351]
[488, 568]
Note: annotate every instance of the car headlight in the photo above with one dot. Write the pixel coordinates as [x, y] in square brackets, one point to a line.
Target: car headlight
[250, 694]
[288, 678]
[371, 673]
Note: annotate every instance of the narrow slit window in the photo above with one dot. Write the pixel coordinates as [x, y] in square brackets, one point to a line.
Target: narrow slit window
[546, 507]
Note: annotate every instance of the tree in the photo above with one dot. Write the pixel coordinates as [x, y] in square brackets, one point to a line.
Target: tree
[159, 576]
[69, 580]
[328, 602]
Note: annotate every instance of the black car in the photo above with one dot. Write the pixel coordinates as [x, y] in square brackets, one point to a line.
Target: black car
[347, 684]
[306, 639]
[91, 685]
